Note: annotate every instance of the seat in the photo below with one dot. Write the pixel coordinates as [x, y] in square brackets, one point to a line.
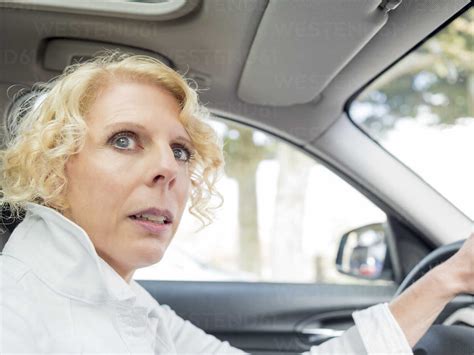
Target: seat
[7, 225]
[4, 235]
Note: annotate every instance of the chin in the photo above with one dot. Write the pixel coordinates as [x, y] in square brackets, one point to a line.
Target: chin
[150, 255]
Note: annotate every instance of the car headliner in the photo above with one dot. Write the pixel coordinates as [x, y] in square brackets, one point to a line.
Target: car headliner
[215, 41]
[213, 44]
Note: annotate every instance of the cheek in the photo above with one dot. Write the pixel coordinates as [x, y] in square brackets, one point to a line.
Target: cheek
[182, 192]
[185, 189]
[94, 183]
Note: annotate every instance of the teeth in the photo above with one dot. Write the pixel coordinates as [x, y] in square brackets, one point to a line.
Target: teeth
[153, 218]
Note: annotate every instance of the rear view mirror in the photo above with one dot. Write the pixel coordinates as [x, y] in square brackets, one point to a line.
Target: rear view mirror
[363, 253]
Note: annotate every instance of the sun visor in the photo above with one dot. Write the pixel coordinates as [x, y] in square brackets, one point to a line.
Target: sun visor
[60, 52]
[301, 45]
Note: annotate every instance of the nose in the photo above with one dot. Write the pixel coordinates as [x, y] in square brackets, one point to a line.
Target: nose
[163, 167]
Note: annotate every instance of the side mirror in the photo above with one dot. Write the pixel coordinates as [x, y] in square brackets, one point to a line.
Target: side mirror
[363, 253]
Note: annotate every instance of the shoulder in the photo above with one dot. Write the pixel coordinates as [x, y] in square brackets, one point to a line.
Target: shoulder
[16, 307]
[14, 296]
[12, 272]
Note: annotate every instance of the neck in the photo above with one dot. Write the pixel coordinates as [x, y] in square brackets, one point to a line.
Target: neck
[125, 273]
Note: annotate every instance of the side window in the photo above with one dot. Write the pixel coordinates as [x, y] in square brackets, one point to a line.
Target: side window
[282, 220]
[421, 110]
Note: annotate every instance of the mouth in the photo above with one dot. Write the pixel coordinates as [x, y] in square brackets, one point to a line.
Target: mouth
[153, 220]
[150, 226]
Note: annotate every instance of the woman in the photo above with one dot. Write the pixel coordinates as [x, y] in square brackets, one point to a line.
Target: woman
[104, 165]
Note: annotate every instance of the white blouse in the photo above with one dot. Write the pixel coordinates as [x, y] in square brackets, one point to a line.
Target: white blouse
[57, 295]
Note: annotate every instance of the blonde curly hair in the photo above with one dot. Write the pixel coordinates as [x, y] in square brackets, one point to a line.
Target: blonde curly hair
[49, 127]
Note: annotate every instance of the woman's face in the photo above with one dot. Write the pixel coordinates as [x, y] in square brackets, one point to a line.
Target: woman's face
[128, 187]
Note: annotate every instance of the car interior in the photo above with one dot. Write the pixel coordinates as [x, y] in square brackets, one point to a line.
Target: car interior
[288, 68]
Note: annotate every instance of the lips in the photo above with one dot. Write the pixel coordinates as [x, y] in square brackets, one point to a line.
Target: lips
[153, 226]
[157, 212]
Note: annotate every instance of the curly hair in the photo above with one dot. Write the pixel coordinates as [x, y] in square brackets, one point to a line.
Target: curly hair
[49, 127]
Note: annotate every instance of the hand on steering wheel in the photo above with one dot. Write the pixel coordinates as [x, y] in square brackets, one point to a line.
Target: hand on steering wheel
[459, 265]
[462, 266]
[452, 273]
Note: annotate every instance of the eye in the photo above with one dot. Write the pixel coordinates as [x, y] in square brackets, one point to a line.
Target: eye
[182, 153]
[125, 140]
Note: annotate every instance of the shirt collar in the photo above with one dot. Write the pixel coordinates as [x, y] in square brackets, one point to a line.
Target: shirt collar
[63, 256]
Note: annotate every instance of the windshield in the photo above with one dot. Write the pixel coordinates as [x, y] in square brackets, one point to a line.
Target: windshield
[422, 111]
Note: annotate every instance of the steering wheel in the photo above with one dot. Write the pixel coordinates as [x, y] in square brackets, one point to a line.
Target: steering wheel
[433, 259]
[440, 339]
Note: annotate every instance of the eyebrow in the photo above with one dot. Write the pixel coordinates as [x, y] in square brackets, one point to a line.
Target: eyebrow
[140, 127]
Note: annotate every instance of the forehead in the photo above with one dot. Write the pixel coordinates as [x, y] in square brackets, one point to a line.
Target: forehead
[136, 103]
